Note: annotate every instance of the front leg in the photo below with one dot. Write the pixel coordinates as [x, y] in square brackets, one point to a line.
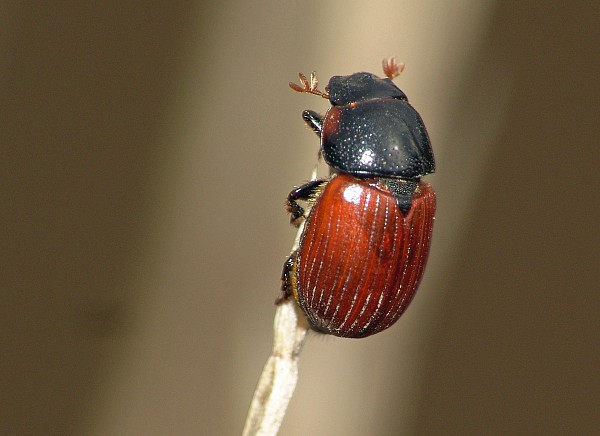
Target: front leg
[302, 193]
[314, 121]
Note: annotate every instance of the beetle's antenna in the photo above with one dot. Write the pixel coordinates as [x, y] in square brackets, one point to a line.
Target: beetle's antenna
[391, 68]
[308, 86]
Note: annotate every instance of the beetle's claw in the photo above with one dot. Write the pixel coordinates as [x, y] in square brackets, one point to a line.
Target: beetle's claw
[391, 68]
[296, 212]
[286, 280]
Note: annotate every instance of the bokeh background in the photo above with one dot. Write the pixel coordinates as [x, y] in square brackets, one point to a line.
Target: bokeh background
[147, 148]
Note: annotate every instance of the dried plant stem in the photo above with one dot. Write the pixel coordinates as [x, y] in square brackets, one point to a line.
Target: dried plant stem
[280, 374]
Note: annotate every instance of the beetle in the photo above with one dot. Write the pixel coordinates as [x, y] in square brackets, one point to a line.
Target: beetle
[367, 227]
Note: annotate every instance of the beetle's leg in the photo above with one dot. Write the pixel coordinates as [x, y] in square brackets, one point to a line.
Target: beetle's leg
[314, 121]
[287, 289]
[302, 193]
[403, 191]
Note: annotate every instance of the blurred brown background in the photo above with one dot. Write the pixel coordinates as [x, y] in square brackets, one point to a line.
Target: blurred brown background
[147, 148]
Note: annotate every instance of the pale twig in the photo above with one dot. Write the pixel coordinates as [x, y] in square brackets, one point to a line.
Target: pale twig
[280, 374]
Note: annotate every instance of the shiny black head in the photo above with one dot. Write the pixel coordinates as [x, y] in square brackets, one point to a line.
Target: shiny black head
[357, 87]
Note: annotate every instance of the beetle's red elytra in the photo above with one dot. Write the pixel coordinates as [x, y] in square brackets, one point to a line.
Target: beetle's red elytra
[360, 257]
[367, 234]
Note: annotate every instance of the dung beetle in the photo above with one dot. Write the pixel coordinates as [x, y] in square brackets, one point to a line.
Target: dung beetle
[368, 226]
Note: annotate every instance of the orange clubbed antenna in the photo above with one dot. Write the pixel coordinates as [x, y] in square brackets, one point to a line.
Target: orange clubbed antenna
[391, 68]
[308, 86]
